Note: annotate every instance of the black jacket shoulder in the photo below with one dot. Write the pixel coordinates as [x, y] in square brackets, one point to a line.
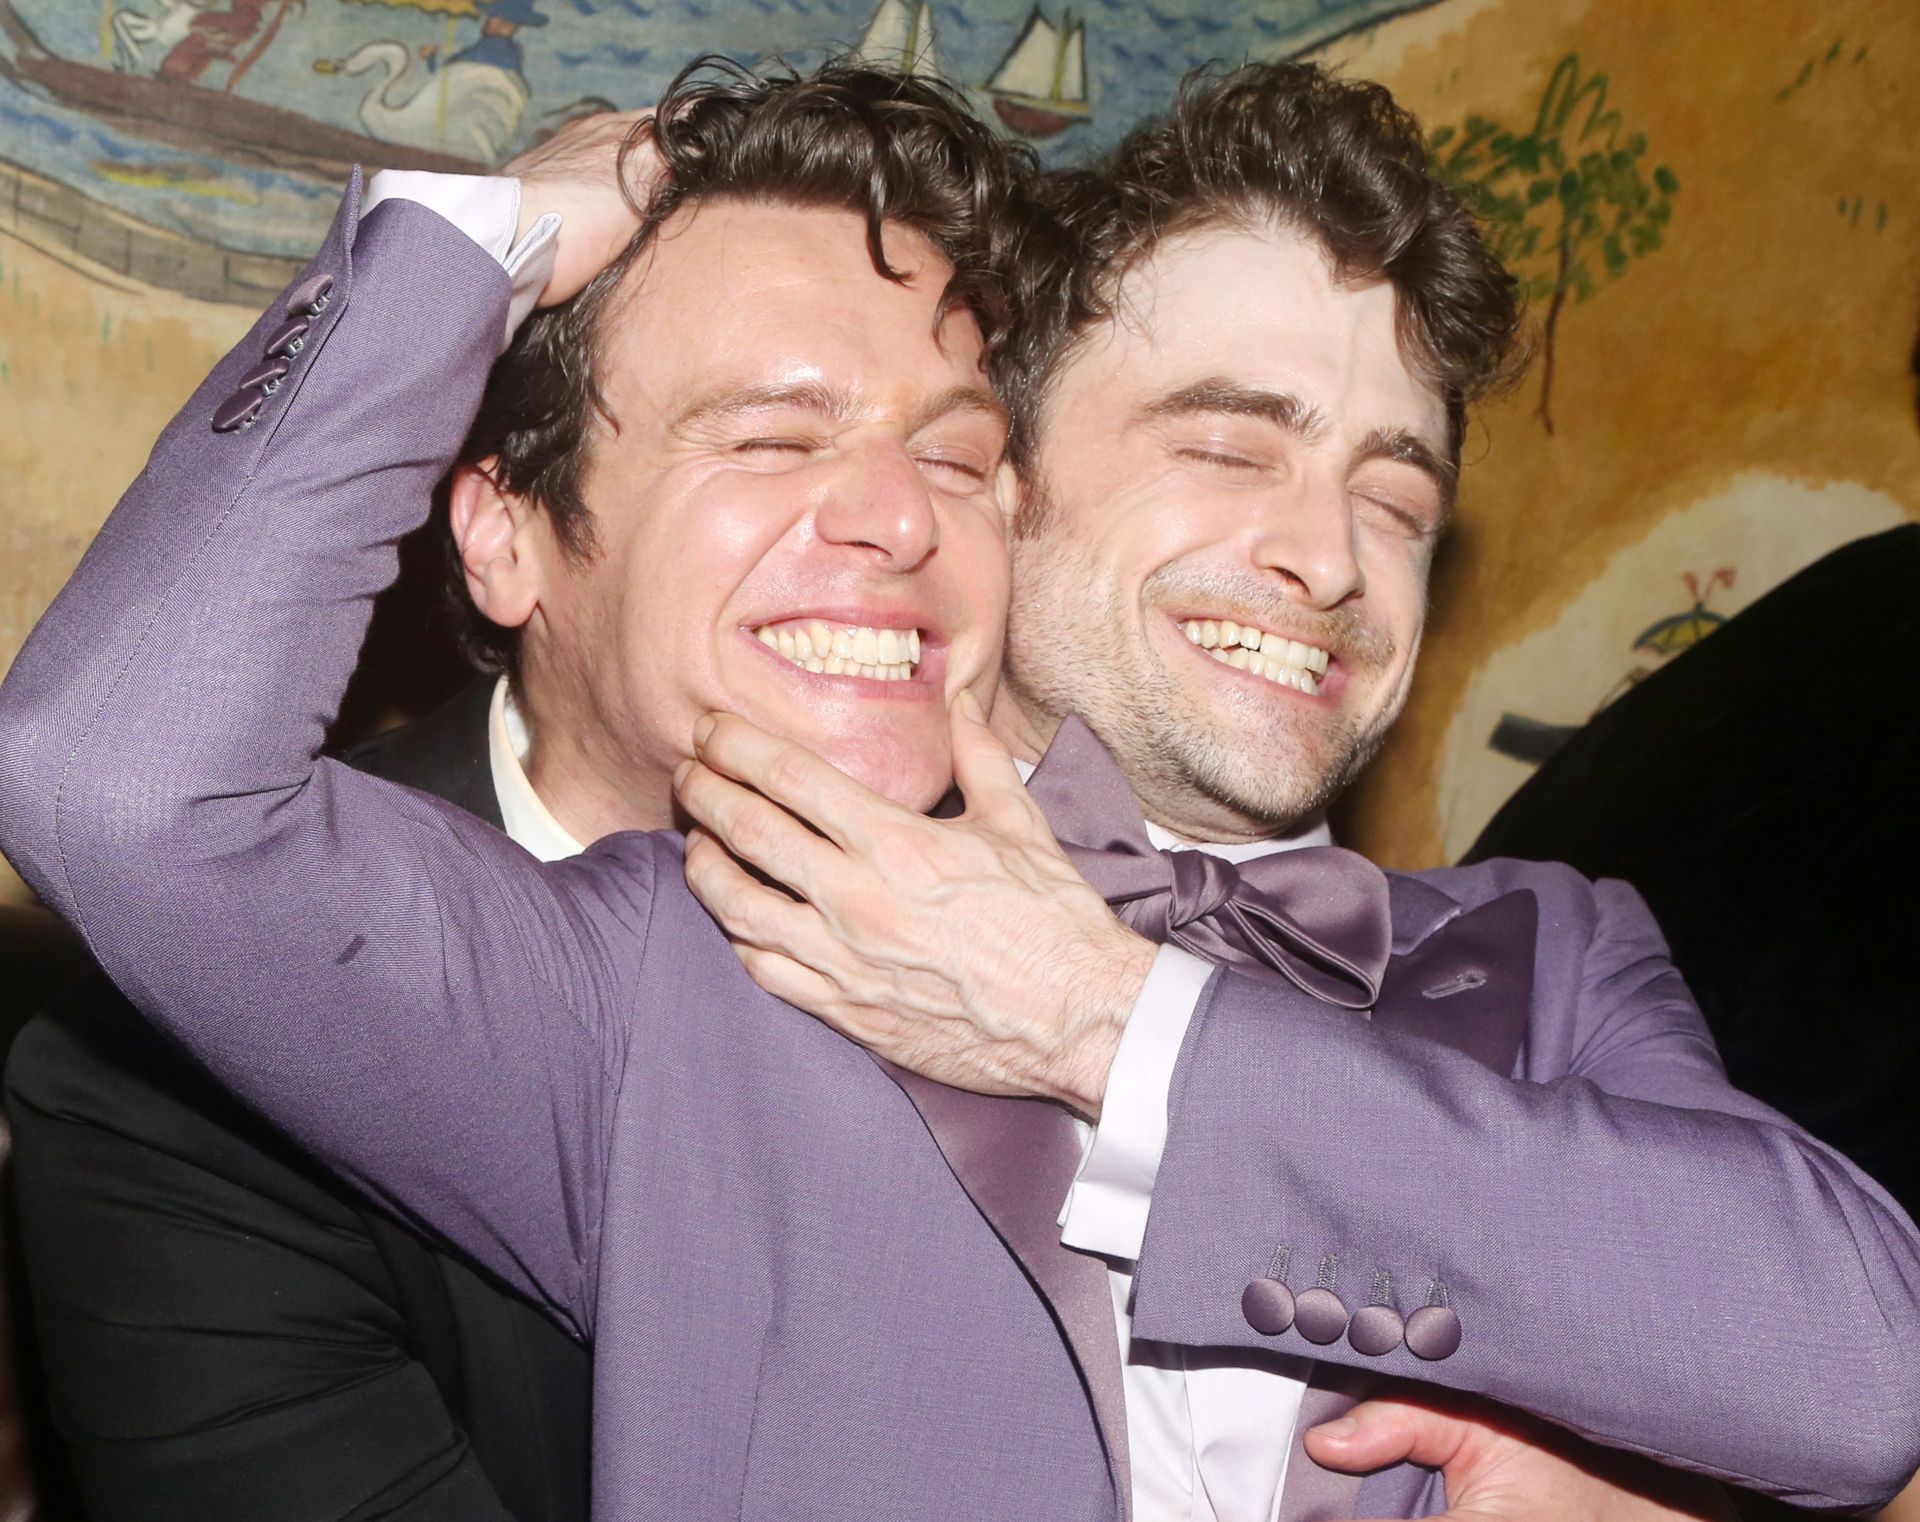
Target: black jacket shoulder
[231, 1333]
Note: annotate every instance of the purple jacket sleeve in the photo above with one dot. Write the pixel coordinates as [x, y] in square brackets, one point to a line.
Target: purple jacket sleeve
[396, 984]
[1634, 1249]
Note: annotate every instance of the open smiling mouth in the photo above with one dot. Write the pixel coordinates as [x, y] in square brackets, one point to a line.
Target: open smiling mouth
[881, 655]
[1287, 662]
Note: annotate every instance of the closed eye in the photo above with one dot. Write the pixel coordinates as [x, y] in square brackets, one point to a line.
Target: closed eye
[1219, 459]
[1403, 517]
[747, 446]
[966, 468]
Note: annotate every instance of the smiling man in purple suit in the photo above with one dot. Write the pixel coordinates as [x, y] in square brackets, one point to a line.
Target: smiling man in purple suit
[817, 1285]
[1239, 441]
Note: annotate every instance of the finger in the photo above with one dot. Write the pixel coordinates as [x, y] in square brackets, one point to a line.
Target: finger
[793, 777]
[983, 767]
[787, 980]
[753, 828]
[747, 909]
[1376, 1433]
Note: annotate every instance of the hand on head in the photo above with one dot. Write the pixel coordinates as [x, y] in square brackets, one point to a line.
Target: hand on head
[596, 174]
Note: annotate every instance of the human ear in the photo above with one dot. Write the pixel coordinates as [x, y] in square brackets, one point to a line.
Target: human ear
[492, 532]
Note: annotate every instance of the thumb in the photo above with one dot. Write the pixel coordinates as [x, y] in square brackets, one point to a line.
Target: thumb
[982, 767]
[1376, 1433]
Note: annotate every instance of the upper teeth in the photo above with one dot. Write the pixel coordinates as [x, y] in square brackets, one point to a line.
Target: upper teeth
[1273, 656]
[884, 655]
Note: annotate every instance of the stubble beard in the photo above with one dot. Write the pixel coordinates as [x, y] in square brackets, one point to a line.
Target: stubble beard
[1260, 765]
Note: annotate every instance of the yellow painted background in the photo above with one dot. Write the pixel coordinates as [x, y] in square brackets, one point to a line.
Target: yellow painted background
[1742, 396]
[1755, 372]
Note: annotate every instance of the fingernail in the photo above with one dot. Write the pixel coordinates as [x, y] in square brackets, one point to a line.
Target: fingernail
[680, 774]
[1344, 1426]
[970, 706]
[703, 726]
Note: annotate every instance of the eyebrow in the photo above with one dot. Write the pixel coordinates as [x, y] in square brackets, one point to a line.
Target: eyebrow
[956, 398]
[1408, 448]
[1214, 395]
[736, 401]
[1306, 422]
[825, 401]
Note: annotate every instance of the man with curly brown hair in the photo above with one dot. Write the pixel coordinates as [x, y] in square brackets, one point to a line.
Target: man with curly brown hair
[1460, 1127]
[817, 1285]
[231, 1333]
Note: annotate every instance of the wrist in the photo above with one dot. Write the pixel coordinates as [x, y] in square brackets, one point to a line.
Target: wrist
[1107, 990]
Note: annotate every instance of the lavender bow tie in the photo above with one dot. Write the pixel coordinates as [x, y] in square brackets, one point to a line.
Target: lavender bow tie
[1317, 917]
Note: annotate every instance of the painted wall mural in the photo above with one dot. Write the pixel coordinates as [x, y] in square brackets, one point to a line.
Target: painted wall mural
[232, 122]
[1714, 216]
[1566, 202]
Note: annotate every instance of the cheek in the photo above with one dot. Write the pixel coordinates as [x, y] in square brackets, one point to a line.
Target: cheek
[982, 566]
[1396, 573]
[700, 546]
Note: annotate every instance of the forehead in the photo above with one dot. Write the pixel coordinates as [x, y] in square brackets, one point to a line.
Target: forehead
[745, 291]
[1261, 307]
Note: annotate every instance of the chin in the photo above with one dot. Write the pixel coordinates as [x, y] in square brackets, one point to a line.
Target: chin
[911, 765]
[901, 750]
[915, 777]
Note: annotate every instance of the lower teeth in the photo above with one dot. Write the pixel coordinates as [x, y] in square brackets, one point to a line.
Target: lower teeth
[835, 665]
[1277, 672]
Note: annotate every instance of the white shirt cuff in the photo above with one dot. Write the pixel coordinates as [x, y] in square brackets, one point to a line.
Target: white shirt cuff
[487, 209]
[1106, 1209]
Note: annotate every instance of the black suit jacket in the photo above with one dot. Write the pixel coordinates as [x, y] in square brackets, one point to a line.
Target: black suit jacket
[1760, 792]
[230, 1333]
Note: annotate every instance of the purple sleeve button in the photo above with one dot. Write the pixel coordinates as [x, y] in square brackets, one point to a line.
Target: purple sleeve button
[309, 297]
[238, 411]
[1268, 1306]
[288, 339]
[1375, 1330]
[1433, 1333]
[265, 376]
[1319, 1315]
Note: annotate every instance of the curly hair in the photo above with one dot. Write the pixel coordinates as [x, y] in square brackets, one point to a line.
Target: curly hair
[896, 149]
[1336, 160]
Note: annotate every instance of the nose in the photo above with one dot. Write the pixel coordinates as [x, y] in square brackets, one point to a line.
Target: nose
[1308, 540]
[878, 502]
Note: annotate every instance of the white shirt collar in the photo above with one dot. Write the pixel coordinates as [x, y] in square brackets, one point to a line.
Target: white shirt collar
[530, 823]
[1315, 834]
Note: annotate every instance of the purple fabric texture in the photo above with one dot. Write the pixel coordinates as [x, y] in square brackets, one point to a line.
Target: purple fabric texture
[797, 1311]
[797, 1308]
[1633, 1248]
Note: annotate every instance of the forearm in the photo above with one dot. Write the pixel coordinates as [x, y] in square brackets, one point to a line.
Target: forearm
[192, 664]
[388, 979]
[1688, 1278]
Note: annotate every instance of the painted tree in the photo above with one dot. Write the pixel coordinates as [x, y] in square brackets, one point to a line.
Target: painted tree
[1567, 204]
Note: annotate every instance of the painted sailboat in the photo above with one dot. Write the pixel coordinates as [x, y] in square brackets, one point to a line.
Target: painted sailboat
[900, 36]
[1040, 88]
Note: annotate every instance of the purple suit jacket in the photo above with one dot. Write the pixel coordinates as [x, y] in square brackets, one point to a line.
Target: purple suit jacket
[798, 1307]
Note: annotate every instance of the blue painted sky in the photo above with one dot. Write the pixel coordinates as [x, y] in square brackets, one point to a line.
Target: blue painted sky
[623, 51]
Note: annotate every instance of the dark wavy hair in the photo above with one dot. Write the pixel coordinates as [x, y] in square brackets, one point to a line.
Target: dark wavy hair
[1336, 160]
[894, 148]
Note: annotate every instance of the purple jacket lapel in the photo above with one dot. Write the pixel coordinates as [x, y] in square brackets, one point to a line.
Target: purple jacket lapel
[1461, 980]
[1016, 1159]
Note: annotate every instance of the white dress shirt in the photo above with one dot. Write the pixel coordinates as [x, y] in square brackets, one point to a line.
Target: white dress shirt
[1208, 1436]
